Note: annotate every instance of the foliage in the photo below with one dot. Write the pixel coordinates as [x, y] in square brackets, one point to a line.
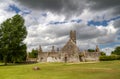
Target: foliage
[109, 58]
[116, 51]
[91, 50]
[102, 53]
[33, 53]
[1, 57]
[12, 34]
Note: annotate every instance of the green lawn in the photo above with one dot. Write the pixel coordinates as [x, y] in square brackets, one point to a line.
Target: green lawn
[99, 70]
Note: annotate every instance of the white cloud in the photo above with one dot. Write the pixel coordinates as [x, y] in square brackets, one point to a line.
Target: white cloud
[108, 50]
[58, 35]
[40, 32]
[4, 12]
[110, 36]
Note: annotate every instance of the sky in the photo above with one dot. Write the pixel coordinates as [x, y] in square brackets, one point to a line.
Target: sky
[48, 22]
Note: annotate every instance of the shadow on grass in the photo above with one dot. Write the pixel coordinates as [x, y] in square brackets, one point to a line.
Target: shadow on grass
[16, 64]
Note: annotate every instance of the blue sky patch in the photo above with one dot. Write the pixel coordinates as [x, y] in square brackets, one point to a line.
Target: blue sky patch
[76, 20]
[57, 22]
[63, 22]
[14, 8]
[26, 12]
[103, 23]
[111, 45]
[44, 14]
[97, 23]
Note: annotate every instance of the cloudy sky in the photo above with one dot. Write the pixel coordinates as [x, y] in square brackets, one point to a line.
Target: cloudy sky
[48, 22]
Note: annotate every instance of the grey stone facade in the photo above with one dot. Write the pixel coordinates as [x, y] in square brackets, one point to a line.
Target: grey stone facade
[69, 53]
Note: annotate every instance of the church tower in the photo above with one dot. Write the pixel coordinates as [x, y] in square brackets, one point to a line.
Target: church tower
[97, 48]
[39, 52]
[53, 49]
[40, 49]
[73, 36]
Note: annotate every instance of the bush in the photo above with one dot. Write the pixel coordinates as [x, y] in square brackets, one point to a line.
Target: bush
[91, 50]
[109, 58]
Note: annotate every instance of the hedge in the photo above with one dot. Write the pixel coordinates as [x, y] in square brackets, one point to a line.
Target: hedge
[109, 58]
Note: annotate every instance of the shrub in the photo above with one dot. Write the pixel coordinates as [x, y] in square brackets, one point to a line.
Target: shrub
[109, 58]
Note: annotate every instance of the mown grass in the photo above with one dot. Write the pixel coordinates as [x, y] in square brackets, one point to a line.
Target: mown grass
[99, 70]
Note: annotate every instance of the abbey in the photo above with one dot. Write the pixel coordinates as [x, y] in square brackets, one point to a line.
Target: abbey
[69, 53]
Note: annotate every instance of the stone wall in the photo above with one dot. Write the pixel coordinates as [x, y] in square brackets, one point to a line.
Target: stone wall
[69, 53]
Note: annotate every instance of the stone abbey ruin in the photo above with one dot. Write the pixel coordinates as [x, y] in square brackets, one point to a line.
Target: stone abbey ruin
[69, 53]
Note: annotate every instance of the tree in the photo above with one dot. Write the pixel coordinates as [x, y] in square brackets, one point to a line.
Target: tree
[1, 57]
[116, 51]
[91, 50]
[12, 34]
[33, 53]
[102, 53]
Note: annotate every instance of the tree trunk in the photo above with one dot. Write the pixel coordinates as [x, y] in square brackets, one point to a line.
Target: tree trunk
[14, 61]
[5, 60]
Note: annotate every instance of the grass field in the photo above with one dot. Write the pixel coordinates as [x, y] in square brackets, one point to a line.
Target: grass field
[99, 70]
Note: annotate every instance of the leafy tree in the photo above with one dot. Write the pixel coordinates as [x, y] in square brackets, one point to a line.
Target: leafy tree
[33, 53]
[12, 34]
[102, 53]
[116, 51]
[21, 50]
[1, 57]
[91, 50]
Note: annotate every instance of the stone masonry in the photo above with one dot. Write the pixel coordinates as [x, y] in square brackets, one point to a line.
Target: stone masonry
[69, 53]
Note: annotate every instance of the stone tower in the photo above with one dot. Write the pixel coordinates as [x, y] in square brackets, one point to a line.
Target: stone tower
[39, 53]
[53, 49]
[97, 48]
[40, 49]
[73, 36]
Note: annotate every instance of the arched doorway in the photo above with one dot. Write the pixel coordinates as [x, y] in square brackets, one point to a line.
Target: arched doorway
[80, 58]
[65, 59]
[41, 59]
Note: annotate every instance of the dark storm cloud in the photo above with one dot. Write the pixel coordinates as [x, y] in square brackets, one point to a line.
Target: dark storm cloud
[99, 5]
[43, 4]
[73, 7]
[103, 4]
[56, 6]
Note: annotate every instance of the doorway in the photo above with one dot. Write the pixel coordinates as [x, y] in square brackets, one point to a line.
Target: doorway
[80, 58]
[65, 59]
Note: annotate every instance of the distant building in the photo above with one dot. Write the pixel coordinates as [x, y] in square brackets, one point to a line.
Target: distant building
[69, 53]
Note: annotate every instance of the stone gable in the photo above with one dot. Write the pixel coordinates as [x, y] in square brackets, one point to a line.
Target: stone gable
[69, 53]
